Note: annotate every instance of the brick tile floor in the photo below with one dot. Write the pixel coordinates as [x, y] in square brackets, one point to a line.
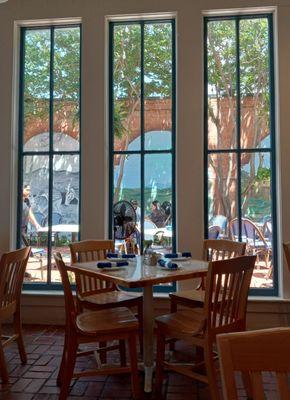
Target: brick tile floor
[37, 379]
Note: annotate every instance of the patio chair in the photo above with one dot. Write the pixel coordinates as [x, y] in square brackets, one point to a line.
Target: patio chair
[96, 294]
[224, 310]
[12, 269]
[95, 326]
[253, 236]
[37, 253]
[253, 353]
[213, 232]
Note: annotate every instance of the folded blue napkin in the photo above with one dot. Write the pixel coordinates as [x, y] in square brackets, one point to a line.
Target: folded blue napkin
[109, 264]
[129, 255]
[167, 264]
[112, 255]
[176, 255]
[115, 255]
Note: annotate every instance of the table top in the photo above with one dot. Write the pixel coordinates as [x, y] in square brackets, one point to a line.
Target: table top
[138, 274]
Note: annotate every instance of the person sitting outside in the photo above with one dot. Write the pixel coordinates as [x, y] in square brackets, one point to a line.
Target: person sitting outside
[157, 216]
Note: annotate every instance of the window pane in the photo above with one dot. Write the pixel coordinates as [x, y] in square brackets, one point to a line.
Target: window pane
[221, 76]
[127, 186]
[222, 193]
[36, 90]
[256, 213]
[158, 84]
[126, 84]
[52, 214]
[127, 175]
[158, 200]
[255, 86]
[66, 89]
[65, 203]
[34, 215]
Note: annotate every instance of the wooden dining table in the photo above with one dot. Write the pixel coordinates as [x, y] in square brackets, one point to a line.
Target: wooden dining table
[140, 275]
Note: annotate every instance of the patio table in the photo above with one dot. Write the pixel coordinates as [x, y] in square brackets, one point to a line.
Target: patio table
[139, 275]
[62, 228]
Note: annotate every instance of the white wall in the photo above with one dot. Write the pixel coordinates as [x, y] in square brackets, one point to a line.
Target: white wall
[94, 87]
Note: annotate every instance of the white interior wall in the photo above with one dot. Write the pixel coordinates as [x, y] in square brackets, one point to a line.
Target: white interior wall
[94, 123]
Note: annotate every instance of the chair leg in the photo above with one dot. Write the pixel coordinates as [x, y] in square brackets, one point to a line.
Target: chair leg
[173, 309]
[3, 367]
[20, 342]
[103, 353]
[159, 362]
[123, 353]
[140, 319]
[211, 372]
[136, 392]
[67, 375]
[59, 378]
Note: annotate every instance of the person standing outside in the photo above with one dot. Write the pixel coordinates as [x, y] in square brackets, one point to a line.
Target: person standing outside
[27, 213]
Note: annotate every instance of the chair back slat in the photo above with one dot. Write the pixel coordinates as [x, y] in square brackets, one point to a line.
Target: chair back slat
[12, 269]
[91, 250]
[253, 353]
[282, 382]
[257, 382]
[226, 293]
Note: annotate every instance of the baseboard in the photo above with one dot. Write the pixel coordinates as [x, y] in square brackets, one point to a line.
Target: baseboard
[48, 309]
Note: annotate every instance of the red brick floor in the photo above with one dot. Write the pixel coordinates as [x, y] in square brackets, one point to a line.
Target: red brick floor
[37, 379]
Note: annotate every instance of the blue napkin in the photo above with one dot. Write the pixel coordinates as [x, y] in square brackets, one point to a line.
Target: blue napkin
[167, 264]
[176, 255]
[128, 255]
[109, 264]
[115, 255]
[112, 255]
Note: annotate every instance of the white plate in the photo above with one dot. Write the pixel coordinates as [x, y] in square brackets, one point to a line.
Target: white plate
[115, 259]
[178, 259]
[169, 269]
[111, 268]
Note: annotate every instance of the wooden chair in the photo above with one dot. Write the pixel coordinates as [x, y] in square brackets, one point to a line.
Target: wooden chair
[96, 294]
[226, 294]
[95, 326]
[213, 249]
[253, 353]
[12, 269]
[286, 247]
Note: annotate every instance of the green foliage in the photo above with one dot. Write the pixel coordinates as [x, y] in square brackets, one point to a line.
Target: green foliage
[66, 72]
[263, 174]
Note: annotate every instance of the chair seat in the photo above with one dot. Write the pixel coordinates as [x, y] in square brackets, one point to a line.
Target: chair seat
[109, 321]
[112, 297]
[183, 323]
[189, 296]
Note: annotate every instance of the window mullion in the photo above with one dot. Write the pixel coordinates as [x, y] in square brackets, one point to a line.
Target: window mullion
[50, 182]
[142, 121]
[238, 127]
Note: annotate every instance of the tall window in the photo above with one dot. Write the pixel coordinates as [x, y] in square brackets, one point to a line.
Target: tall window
[49, 146]
[240, 139]
[142, 140]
